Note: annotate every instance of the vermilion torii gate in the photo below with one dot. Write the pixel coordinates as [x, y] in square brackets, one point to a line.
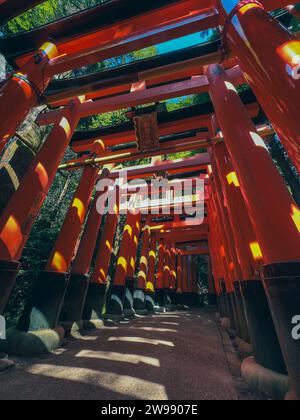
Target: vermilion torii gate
[251, 224]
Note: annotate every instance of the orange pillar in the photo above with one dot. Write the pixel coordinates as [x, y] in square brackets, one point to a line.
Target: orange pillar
[274, 214]
[43, 311]
[23, 90]
[179, 277]
[20, 214]
[150, 286]
[64, 248]
[269, 56]
[185, 282]
[115, 305]
[71, 315]
[271, 208]
[230, 248]
[245, 237]
[139, 303]
[167, 275]
[159, 290]
[212, 291]
[131, 264]
[96, 294]
[173, 273]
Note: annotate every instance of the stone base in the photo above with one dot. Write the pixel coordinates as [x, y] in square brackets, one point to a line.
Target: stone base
[113, 318]
[8, 275]
[93, 324]
[129, 313]
[265, 383]
[225, 323]
[33, 343]
[243, 348]
[71, 327]
[291, 396]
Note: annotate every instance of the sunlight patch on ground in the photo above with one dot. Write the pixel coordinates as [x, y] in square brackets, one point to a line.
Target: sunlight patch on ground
[153, 329]
[119, 357]
[143, 341]
[122, 384]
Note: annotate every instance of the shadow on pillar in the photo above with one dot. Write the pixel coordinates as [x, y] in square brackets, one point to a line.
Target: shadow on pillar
[8, 274]
[71, 314]
[37, 330]
[94, 306]
[282, 286]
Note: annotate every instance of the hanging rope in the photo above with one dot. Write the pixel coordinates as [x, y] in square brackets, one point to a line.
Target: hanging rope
[224, 49]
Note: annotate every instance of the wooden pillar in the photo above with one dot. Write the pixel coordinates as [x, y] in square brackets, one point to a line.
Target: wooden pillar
[96, 294]
[273, 213]
[22, 210]
[269, 56]
[44, 307]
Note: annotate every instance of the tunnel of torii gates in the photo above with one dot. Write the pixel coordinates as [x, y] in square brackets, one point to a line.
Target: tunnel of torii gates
[250, 232]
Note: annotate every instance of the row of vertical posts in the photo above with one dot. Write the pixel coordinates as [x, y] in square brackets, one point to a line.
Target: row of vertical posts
[254, 235]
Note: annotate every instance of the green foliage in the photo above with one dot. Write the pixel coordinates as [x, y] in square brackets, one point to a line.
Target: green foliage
[47, 12]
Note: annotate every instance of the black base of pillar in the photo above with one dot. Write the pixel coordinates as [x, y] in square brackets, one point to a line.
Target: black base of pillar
[241, 316]
[240, 310]
[230, 310]
[149, 302]
[43, 309]
[282, 286]
[159, 297]
[167, 298]
[220, 305]
[38, 331]
[8, 275]
[262, 332]
[234, 314]
[115, 303]
[212, 299]
[74, 300]
[139, 304]
[190, 299]
[172, 296]
[223, 302]
[128, 298]
[94, 305]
